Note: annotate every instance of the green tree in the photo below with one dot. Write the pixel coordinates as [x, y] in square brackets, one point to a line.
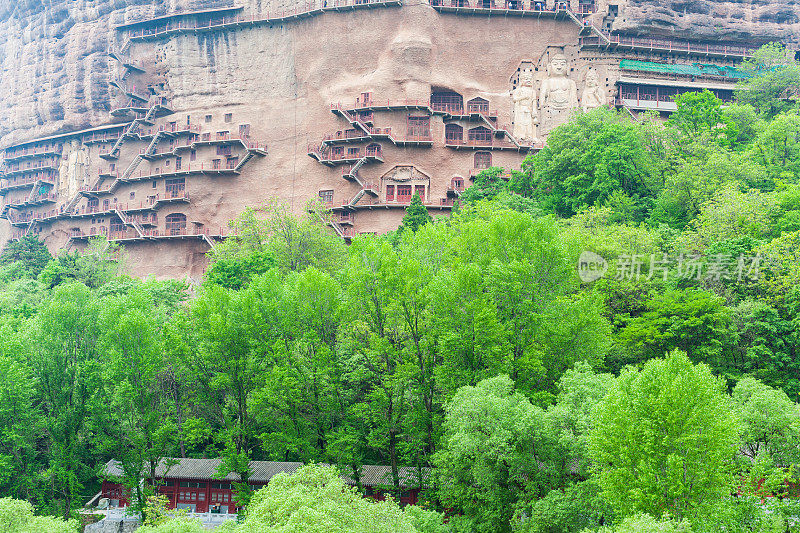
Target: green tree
[747, 122]
[528, 272]
[270, 234]
[777, 148]
[574, 502]
[487, 185]
[589, 158]
[377, 342]
[692, 320]
[701, 113]
[416, 215]
[489, 454]
[300, 401]
[571, 509]
[644, 523]
[20, 419]
[767, 346]
[774, 80]
[95, 266]
[135, 422]
[664, 438]
[771, 422]
[225, 343]
[314, 499]
[64, 357]
[25, 257]
[16, 516]
[470, 338]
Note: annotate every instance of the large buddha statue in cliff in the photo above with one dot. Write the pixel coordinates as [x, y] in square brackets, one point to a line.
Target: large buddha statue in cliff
[72, 171]
[558, 96]
[558, 91]
[526, 116]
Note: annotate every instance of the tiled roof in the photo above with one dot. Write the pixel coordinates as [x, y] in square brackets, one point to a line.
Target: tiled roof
[262, 471]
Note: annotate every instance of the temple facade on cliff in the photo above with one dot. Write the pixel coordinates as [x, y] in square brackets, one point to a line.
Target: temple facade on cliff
[200, 109]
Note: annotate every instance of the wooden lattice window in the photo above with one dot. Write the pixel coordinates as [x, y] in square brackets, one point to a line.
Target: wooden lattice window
[447, 101]
[420, 190]
[453, 133]
[478, 105]
[404, 193]
[175, 187]
[390, 193]
[483, 160]
[480, 134]
[115, 225]
[326, 196]
[419, 127]
[175, 223]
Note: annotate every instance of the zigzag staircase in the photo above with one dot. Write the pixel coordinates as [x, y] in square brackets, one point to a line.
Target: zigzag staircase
[354, 200]
[352, 174]
[129, 221]
[150, 115]
[209, 241]
[131, 167]
[69, 207]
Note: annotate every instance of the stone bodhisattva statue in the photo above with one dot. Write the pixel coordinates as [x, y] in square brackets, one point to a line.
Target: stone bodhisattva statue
[593, 96]
[526, 116]
[559, 94]
[63, 174]
[76, 168]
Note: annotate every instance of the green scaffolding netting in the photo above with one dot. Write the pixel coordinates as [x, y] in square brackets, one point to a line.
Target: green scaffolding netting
[695, 69]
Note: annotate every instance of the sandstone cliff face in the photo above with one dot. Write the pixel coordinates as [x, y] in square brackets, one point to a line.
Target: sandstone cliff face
[54, 69]
[750, 21]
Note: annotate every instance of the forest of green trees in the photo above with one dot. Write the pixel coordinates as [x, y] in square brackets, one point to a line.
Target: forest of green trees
[660, 397]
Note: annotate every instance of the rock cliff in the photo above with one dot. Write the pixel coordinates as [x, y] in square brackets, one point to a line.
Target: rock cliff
[749, 21]
[54, 69]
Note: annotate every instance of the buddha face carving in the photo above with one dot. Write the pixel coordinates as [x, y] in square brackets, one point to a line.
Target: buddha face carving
[592, 80]
[558, 65]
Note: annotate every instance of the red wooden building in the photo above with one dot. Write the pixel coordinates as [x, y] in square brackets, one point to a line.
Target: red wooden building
[190, 484]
